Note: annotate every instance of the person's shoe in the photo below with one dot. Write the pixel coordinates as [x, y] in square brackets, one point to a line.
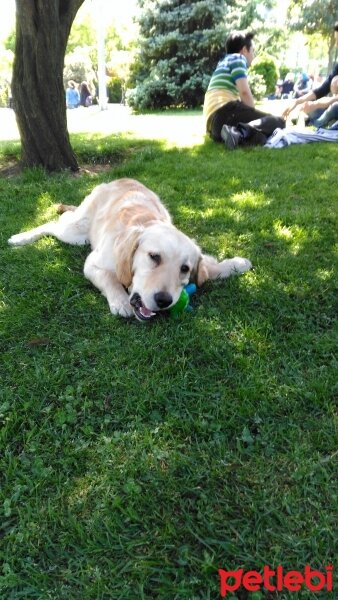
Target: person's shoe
[231, 137]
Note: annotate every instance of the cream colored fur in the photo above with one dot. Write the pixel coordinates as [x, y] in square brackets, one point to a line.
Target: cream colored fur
[136, 252]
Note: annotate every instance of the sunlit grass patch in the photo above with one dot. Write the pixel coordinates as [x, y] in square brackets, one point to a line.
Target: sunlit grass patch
[138, 460]
[250, 198]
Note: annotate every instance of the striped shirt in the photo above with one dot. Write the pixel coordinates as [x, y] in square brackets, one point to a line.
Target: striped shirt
[222, 87]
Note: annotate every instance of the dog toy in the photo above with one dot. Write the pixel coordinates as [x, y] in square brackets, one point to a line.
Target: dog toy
[183, 303]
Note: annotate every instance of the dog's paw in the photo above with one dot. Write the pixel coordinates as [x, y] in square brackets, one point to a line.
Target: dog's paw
[19, 239]
[122, 308]
[241, 265]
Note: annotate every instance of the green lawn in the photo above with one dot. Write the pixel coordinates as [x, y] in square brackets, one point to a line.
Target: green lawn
[137, 460]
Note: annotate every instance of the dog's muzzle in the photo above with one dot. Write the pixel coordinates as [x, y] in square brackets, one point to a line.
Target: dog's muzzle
[141, 312]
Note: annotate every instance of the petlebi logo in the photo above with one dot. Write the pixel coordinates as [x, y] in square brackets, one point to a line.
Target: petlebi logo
[276, 580]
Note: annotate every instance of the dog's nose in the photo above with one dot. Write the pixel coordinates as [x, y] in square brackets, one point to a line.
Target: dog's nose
[163, 299]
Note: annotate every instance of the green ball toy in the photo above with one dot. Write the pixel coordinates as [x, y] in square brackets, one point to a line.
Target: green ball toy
[183, 303]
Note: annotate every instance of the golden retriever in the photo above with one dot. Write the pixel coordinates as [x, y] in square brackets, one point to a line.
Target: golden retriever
[139, 260]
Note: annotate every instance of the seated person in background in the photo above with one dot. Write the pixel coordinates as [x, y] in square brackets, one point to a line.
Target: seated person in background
[318, 92]
[229, 108]
[278, 91]
[288, 85]
[72, 95]
[302, 86]
[325, 110]
[86, 98]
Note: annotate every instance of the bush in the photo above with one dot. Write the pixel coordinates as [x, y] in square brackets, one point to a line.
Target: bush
[283, 71]
[4, 95]
[164, 91]
[150, 94]
[257, 85]
[114, 90]
[266, 66]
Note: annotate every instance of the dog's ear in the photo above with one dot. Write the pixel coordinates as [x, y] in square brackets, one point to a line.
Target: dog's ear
[124, 250]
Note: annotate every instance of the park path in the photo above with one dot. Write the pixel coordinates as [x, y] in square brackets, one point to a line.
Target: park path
[177, 128]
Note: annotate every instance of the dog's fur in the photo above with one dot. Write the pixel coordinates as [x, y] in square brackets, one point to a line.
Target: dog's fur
[139, 260]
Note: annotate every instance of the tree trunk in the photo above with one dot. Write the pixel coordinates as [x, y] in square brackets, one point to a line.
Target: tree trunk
[42, 31]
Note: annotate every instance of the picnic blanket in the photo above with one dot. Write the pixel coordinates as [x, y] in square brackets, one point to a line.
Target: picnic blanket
[288, 136]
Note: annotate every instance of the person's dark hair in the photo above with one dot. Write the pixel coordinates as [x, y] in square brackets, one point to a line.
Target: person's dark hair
[336, 26]
[237, 40]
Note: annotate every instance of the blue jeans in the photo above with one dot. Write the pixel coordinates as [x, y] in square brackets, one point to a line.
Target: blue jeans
[322, 118]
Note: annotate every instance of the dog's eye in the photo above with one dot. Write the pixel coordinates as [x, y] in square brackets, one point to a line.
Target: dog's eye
[185, 269]
[156, 258]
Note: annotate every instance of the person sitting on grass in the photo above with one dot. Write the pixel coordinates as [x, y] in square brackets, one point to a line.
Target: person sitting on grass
[229, 107]
[325, 110]
[302, 86]
[86, 98]
[72, 95]
[319, 92]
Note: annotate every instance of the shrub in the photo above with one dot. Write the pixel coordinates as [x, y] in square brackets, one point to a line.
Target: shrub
[257, 85]
[266, 66]
[283, 71]
[4, 95]
[114, 90]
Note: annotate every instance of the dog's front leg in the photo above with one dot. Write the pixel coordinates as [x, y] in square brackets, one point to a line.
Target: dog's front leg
[108, 284]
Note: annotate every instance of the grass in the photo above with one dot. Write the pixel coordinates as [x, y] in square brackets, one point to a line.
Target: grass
[138, 460]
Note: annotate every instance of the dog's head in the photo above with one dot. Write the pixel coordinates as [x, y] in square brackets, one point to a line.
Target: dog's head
[155, 263]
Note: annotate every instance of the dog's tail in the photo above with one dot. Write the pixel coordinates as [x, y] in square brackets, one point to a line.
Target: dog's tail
[61, 208]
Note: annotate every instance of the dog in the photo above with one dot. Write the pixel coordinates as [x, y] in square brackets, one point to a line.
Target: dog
[139, 260]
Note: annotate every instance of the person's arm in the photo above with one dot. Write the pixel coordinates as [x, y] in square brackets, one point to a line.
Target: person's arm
[245, 92]
[321, 103]
[309, 96]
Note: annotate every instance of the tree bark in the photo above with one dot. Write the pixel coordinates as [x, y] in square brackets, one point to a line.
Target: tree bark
[42, 31]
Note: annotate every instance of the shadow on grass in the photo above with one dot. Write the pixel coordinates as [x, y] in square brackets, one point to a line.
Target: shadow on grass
[153, 455]
[242, 211]
[227, 201]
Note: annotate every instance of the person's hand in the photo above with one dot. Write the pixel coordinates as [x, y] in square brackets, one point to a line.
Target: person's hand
[288, 110]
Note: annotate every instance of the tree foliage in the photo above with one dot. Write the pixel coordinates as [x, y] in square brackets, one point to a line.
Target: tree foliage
[6, 65]
[82, 35]
[81, 61]
[179, 46]
[313, 17]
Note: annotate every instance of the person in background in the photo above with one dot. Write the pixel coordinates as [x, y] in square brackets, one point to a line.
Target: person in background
[325, 110]
[278, 89]
[318, 92]
[86, 98]
[288, 85]
[72, 95]
[229, 107]
[302, 86]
